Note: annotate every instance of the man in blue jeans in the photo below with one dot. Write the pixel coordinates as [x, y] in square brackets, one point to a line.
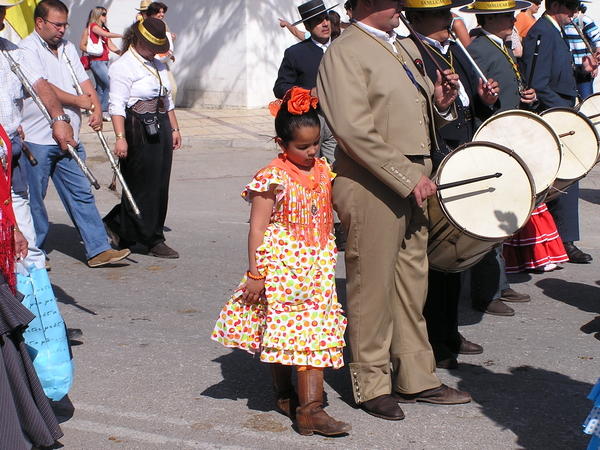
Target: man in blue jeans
[46, 49]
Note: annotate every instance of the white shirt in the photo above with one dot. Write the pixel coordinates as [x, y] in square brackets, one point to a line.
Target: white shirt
[37, 53]
[11, 91]
[389, 37]
[134, 78]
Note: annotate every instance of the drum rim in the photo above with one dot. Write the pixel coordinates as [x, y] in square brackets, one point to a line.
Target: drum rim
[529, 114]
[589, 123]
[510, 153]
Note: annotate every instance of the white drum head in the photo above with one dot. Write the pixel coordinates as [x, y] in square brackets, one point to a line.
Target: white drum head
[579, 140]
[591, 108]
[492, 209]
[530, 137]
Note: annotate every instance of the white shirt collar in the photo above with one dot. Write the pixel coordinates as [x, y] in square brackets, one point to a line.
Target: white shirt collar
[321, 46]
[389, 37]
[441, 46]
[494, 38]
[45, 44]
[555, 23]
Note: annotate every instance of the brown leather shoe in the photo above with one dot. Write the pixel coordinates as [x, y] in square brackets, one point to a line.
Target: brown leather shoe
[442, 395]
[510, 295]
[385, 407]
[286, 399]
[465, 347]
[162, 250]
[109, 256]
[495, 308]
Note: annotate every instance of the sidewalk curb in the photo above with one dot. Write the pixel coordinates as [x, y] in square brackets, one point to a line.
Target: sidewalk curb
[267, 144]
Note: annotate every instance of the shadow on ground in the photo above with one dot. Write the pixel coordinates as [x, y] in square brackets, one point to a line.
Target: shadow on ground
[543, 409]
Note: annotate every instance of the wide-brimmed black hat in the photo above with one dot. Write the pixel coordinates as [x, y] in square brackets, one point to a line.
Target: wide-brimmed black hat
[433, 5]
[312, 9]
[153, 32]
[495, 6]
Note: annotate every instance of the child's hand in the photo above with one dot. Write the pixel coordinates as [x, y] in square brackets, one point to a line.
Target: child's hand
[252, 290]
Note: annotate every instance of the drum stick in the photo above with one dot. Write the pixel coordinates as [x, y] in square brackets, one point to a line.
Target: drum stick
[536, 51]
[593, 116]
[467, 181]
[471, 60]
[568, 133]
[423, 47]
[29, 155]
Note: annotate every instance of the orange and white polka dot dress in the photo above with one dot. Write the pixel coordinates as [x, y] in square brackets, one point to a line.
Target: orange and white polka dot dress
[299, 321]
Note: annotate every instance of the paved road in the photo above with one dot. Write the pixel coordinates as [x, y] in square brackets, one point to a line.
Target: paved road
[148, 376]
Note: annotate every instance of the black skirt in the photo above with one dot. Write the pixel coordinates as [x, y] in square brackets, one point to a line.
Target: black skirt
[26, 417]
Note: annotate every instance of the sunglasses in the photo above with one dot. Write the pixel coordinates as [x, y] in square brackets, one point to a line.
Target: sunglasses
[103, 14]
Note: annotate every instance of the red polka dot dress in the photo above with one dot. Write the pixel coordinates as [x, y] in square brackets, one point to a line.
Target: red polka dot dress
[299, 321]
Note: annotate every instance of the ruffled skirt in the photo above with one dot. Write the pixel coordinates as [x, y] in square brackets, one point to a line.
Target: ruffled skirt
[536, 245]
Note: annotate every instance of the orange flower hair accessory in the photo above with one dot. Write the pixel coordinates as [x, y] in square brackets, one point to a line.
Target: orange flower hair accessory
[298, 101]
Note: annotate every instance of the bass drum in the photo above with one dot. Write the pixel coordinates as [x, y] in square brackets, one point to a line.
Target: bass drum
[530, 137]
[579, 140]
[466, 222]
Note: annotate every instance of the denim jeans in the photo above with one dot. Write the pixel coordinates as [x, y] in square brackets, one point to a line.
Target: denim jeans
[585, 89]
[74, 190]
[100, 71]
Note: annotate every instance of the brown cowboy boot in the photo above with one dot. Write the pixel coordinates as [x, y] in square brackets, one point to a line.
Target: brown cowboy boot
[285, 396]
[311, 418]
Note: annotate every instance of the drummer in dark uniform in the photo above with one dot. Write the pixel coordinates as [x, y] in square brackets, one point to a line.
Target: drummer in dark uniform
[476, 98]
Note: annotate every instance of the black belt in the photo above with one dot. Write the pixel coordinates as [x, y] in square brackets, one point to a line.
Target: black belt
[417, 158]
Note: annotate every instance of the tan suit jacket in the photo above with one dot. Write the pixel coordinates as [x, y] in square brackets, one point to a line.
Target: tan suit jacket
[379, 117]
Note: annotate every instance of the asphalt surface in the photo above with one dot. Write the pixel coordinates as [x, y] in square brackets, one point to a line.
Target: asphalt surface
[149, 377]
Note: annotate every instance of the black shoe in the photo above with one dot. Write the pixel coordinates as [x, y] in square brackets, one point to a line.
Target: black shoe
[162, 250]
[495, 308]
[384, 407]
[575, 255]
[74, 334]
[444, 359]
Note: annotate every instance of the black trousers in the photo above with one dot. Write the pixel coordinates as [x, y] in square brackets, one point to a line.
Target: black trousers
[147, 172]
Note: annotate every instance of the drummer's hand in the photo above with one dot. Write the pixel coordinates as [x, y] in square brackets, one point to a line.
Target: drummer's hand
[589, 64]
[528, 95]
[62, 132]
[425, 188]
[488, 92]
[445, 92]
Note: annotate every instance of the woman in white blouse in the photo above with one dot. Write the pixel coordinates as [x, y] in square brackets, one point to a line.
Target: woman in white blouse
[147, 133]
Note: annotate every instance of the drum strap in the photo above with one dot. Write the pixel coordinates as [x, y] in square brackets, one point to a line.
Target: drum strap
[510, 60]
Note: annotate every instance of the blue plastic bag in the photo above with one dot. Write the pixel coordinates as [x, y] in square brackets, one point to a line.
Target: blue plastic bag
[46, 336]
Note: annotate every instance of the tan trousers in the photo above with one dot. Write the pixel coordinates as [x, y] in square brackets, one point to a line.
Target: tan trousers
[386, 276]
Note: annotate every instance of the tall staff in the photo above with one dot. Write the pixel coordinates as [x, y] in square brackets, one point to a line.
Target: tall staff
[14, 66]
[113, 163]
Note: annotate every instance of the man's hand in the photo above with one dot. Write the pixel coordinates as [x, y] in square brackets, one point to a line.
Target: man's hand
[62, 132]
[488, 92]
[21, 246]
[95, 120]
[589, 64]
[83, 101]
[528, 96]
[425, 188]
[445, 91]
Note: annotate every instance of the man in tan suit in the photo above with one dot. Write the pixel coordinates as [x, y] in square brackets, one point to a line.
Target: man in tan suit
[382, 111]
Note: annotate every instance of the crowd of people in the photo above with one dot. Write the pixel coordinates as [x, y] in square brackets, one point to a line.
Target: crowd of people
[49, 86]
[393, 108]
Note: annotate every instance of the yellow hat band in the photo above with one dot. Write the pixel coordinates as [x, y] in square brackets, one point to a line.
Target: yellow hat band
[421, 4]
[149, 37]
[493, 6]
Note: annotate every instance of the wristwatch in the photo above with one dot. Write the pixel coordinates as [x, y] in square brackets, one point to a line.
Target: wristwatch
[64, 117]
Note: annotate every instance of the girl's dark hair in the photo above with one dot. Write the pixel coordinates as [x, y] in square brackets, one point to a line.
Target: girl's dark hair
[334, 20]
[155, 7]
[286, 123]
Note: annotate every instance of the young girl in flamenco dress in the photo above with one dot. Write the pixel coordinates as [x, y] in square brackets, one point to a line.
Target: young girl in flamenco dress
[286, 306]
